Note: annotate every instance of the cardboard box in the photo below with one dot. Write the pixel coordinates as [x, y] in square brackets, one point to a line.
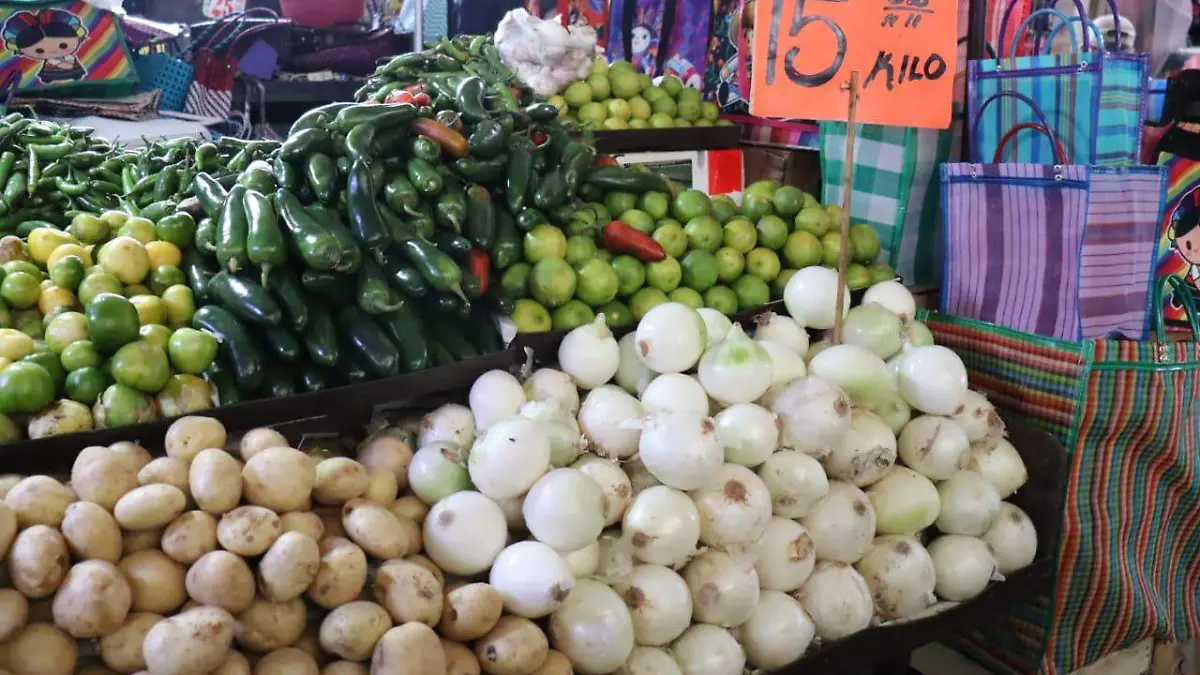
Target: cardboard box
[801, 168]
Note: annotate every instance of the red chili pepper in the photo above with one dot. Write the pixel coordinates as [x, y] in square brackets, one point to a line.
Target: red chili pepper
[605, 160]
[422, 99]
[538, 137]
[478, 265]
[399, 97]
[621, 238]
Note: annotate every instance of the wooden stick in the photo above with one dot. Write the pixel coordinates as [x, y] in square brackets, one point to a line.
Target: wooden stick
[847, 192]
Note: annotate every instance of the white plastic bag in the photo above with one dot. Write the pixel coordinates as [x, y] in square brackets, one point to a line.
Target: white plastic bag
[546, 56]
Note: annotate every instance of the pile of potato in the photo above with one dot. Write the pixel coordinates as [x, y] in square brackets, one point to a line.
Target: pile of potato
[262, 559]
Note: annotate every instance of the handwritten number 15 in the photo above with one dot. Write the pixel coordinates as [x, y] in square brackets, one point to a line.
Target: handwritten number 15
[799, 22]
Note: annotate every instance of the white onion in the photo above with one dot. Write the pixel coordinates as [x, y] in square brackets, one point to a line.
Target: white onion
[734, 507]
[842, 524]
[894, 412]
[979, 419]
[464, 533]
[724, 590]
[663, 526]
[894, 297]
[716, 324]
[864, 376]
[632, 374]
[593, 629]
[1013, 539]
[512, 512]
[786, 365]
[970, 504]
[708, 650]
[681, 449]
[899, 572]
[511, 455]
[589, 354]
[494, 396]
[562, 430]
[816, 348]
[905, 502]
[736, 369]
[932, 379]
[586, 561]
[640, 477]
[614, 485]
[874, 328]
[781, 330]
[917, 334]
[674, 391]
[786, 555]
[778, 632]
[964, 566]
[616, 558]
[749, 433]
[1001, 465]
[603, 418]
[659, 602]
[565, 510]
[864, 454]
[531, 578]
[934, 446]
[837, 599]
[436, 472]
[815, 414]
[548, 384]
[650, 661]
[451, 423]
[811, 297]
[671, 337]
[796, 482]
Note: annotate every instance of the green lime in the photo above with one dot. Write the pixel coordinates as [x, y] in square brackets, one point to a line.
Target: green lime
[30, 321]
[552, 282]
[150, 309]
[645, 300]
[686, 296]
[603, 216]
[571, 315]
[724, 209]
[14, 266]
[68, 272]
[764, 188]
[672, 85]
[139, 228]
[592, 115]
[14, 345]
[515, 280]
[663, 106]
[156, 334]
[772, 232]
[865, 242]
[688, 110]
[20, 290]
[596, 282]
[704, 233]
[831, 244]
[164, 277]
[672, 238]
[114, 218]
[178, 228]
[142, 366]
[181, 305]
[618, 109]
[722, 299]
[601, 88]
[709, 111]
[121, 406]
[656, 204]
[779, 283]
[741, 235]
[664, 275]
[661, 121]
[544, 241]
[614, 68]
[530, 317]
[881, 272]
[84, 385]
[857, 276]
[640, 109]
[730, 263]
[691, 204]
[763, 263]
[616, 314]
[580, 249]
[755, 206]
[653, 93]
[25, 387]
[605, 255]
[191, 351]
[638, 220]
[788, 200]
[814, 220]
[802, 249]
[112, 321]
[89, 229]
[699, 270]
[631, 274]
[6, 319]
[835, 214]
[64, 329]
[578, 94]
[751, 292]
[615, 124]
[620, 202]
[79, 354]
[96, 283]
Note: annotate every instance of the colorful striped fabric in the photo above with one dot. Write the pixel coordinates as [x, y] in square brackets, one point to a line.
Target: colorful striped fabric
[1129, 554]
[103, 55]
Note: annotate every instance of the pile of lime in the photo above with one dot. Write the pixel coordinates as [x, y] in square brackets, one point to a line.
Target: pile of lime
[615, 96]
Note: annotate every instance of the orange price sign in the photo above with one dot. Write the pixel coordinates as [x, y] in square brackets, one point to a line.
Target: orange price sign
[904, 51]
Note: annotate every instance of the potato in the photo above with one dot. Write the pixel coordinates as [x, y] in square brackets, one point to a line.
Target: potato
[381, 487]
[387, 452]
[192, 643]
[339, 479]
[286, 662]
[303, 522]
[167, 471]
[410, 507]
[331, 518]
[8, 528]
[267, 626]
[556, 663]
[150, 507]
[136, 455]
[345, 668]
[39, 500]
[38, 561]
[14, 613]
[189, 435]
[257, 440]
[102, 476]
[248, 530]
[376, 530]
[221, 579]
[121, 649]
[234, 664]
[93, 600]
[7, 481]
[351, 631]
[470, 612]
[132, 542]
[429, 565]
[409, 592]
[411, 649]
[156, 581]
[280, 479]
[42, 649]
[516, 646]
[91, 532]
[342, 573]
[215, 478]
[189, 537]
[289, 567]
[459, 659]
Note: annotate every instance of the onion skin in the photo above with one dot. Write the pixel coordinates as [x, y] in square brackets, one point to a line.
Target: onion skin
[1013, 539]
[964, 566]
[842, 524]
[900, 574]
[837, 599]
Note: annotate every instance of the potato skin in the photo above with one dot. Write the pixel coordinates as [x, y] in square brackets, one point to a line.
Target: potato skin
[8, 528]
[157, 581]
[287, 661]
[192, 643]
[38, 561]
[150, 507]
[470, 612]
[102, 476]
[131, 452]
[304, 522]
[234, 664]
[188, 436]
[267, 626]
[376, 530]
[289, 567]
[411, 649]
[342, 573]
[249, 530]
[189, 537]
[338, 480]
[14, 613]
[387, 452]
[215, 479]
[280, 479]
[516, 646]
[42, 649]
[409, 592]
[39, 500]
[91, 532]
[351, 631]
[257, 440]
[121, 649]
[93, 600]
[221, 579]
[165, 471]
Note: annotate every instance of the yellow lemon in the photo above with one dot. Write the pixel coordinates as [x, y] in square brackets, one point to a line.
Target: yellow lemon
[54, 297]
[163, 253]
[43, 241]
[69, 249]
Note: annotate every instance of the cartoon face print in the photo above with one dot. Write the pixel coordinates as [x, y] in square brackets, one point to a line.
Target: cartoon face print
[640, 40]
[50, 37]
[51, 48]
[1185, 228]
[1188, 245]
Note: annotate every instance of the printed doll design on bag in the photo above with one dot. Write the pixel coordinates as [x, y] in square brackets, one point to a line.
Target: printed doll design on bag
[51, 37]
[661, 37]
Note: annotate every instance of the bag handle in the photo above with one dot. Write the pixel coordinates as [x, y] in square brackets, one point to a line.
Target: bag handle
[1063, 20]
[628, 9]
[1079, 8]
[743, 69]
[227, 40]
[1181, 291]
[1057, 147]
[1037, 112]
[1087, 24]
[664, 37]
[214, 31]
